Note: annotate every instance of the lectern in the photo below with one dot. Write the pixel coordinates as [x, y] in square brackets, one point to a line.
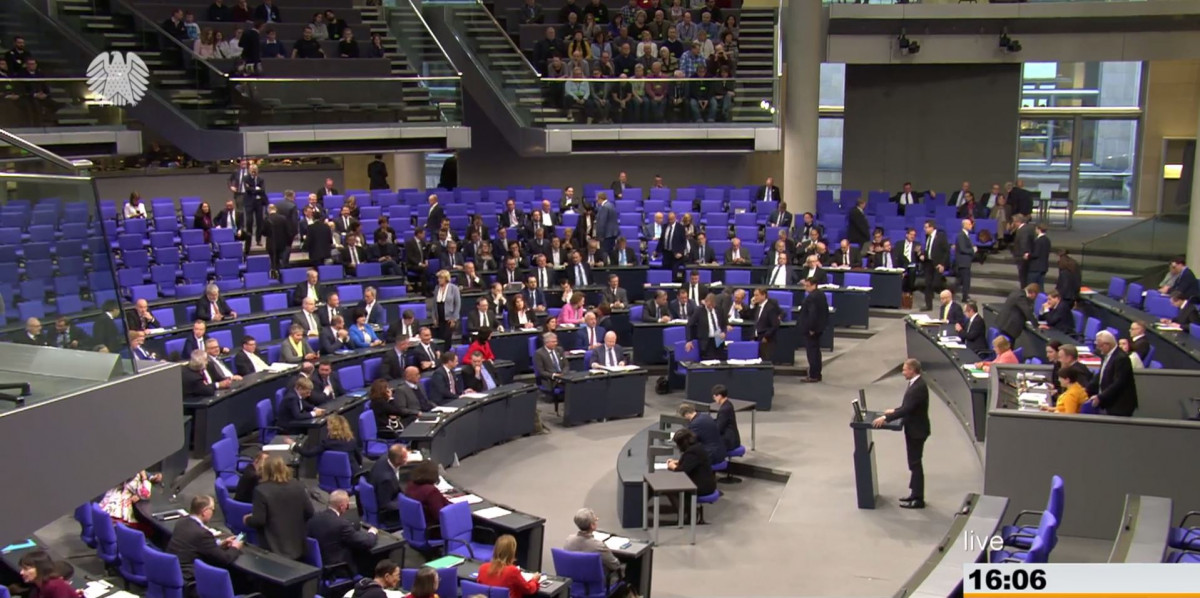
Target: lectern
[865, 481]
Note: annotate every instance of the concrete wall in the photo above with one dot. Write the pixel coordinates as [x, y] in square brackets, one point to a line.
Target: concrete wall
[1171, 111]
[934, 125]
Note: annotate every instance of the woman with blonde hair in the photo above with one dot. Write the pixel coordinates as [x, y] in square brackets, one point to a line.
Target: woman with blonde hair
[336, 436]
[501, 572]
[572, 313]
[1004, 353]
[447, 306]
[281, 510]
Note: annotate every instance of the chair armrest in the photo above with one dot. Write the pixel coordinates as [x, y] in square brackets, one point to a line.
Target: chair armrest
[1024, 535]
[448, 541]
[1024, 513]
[1012, 560]
[487, 530]
[1183, 522]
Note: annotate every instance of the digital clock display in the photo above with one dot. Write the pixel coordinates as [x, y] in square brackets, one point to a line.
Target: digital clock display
[1081, 580]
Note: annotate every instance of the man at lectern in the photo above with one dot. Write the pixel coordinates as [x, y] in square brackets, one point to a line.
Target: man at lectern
[915, 413]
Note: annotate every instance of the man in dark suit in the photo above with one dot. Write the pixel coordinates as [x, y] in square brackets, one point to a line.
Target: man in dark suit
[443, 386]
[140, 317]
[908, 256]
[780, 217]
[1138, 341]
[192, 539]
[411, 396]
[435, 216]
[318, 242]
[534, 295]
[234, 219]
[310, 288]
[254, 202]
[344, 223]
[482, 317]
[907, 197]
[388, 478]
[607, 227]
[726, 418]
[958, 198]
[964, 256]
[1016, 311]
[106, 328]
[339, 540]
[194, 341]
[885, 258]
[656, 308]
[950, 310]
[197, 383]
[590, 335]
[623, 254]
[706, 327]
[1188, 314]
[1113, 389]
[1057, 314]
[974, 331]
[307, 318]
[814, 317]
[811, 269]
[914, 410]
[858, 230]
[736, 255]
[682, 307]
[247, 361]
[935, 261]
[512, 217]
[394, 361]
[609, 354]
[672, 243]
[1039, 258]
[423, 353]
[697, 290]
[618, 186]
[1185, 281]
[1021, 200]
[549, 363]
[538, 244]
[706, 431]
[416, 256]
[702, 252]
[480, 375]
[212, 306]
[846, 256]
[327, 386]
[377, 173]
[768, 191]
[1022, 248]
[613, 295]
[352, 255]
[296, 407]
[578, 272]
[332, 309]
[278, 231]
[767, 317]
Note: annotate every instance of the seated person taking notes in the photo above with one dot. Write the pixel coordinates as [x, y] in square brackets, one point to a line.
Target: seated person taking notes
[609, 354]
[1004, 353]
[193, 539]
[584, 541]
[1073, 394]
[694, 461]
[708, 435]
[502, 571]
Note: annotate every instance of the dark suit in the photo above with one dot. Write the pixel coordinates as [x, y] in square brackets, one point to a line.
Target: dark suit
[767, 317]
[884, 259]
[653, 312]
[761, 194]
[433, 221]
[292, 410]
[544, 367]
[338, 538]
[708, 434]
[915, 413]
[952, 314]
[301, 319]
[670, 244]
[204, 309]
[964, 256]
[1068, 285]
[1039, 261]
[1017, 310]
[1060, 318]
[318, 242]
[190, 541]
[700, 330]
[727, 425]
[937, 254]
[702, 254]
[440, 383]
[387, 483]
[742, 255]
[393, 365]
[974, 335]
[814, 317]
[475, 320]
[601, 356]
[839, 258]
[1113, 385]
[1187, 314]
[194, 385]
[572, 273]
[378, 174]
[478, 384]
[1185, 283]
[242, 364]
[1023, 243]
[677, 314]
[1141, 346]
[301, 292]
[238, 225]
[281, 512]
[190, 344]
[334, 383]
[104, 332]
[783, 219]
[583, 332]
[858, 230]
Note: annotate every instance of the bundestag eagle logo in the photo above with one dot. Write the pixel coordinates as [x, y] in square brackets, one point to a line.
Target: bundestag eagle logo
[118, 78]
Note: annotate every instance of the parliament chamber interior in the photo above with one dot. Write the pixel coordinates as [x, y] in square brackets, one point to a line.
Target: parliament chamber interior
[586, 299]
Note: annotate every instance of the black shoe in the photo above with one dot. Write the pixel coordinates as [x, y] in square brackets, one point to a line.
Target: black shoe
[908, 498]
[915, 504]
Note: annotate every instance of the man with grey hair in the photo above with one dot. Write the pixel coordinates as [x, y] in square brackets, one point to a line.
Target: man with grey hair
[212, 306]
[585, 541]
[340, 540]
[1112, 389]
[197, 383]
[307, 317]
[549, 362]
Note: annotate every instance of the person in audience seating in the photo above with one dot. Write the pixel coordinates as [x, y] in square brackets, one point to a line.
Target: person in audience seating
[573, 313]
[348, 47]
[308, 46]
[422, 487]
[193, 539]
[296, 406]
[1185, 281]
[295, 348]
[424, 354]
[425, 584]
[134, 208]
[1017, 310]
[656, 309]
[1134, 359]
[247, 361]
[249, 478]
[1056, 314]
[1003, 351]
[973, 328]
[584, 540]
[339, 540]
[387, 578]
[197, 383]
[708, 434]
[192, 342]
[281, 510]
[66, 335]
[613, 295]
[137, 350]
[140, 317]
[217, 370]
[335, 436]
[212, 307]
[502, 570]
[388, 413]
[950, 311]
[443, 384]
[482, 343]
[118, 501]
[694, 461]
[481, 374]
[1188, 314]
[307, 318]
[1138, 341]
[311, 288]
[388, 476]
[412, 399]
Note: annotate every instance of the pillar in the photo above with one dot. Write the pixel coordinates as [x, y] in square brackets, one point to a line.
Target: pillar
[1193, 238]
[407, 170]
[801, 97]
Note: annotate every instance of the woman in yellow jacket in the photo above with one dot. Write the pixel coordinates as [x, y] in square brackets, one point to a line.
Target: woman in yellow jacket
[1073, 394]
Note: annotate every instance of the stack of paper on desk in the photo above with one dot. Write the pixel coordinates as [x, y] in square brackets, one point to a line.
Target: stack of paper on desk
[473, 395]
[755, 361]
[444, 409]
[443, 486]
[493, 512]
[282, 367]
[467, 498]
[617, 543]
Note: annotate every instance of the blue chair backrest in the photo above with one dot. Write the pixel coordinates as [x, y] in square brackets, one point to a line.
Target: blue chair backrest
[131, 545]
[456, 523]
[673, 334]
[106, 535]
[224, 462]
[351, 377]
[366, 501]
[334, 471]
[1090, 328]
[163, 576]
[264, 413]
[743, 350]
[412, 521]
[1057, 500]
[83, 515]
[470, 588]
[212, 582]
[1116, 288]
[585, 571]
[1133, 296]
[1078, 315]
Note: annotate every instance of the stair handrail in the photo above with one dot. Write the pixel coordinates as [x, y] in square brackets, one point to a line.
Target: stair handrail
[435, 39]
[452, 17]
[778, 40]
[188, 51]
[1117, 231]
[504, 33]
[78, 166]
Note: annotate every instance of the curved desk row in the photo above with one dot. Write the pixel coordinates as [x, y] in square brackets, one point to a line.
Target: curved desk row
[1175, 350]
[93, 583]
[941, 575]
[636, 459]
[965, 392]
[847, 307]
[886, 285]
[1144, 531]
[649, 348]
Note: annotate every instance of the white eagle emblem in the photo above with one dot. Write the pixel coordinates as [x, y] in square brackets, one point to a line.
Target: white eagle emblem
[118, 78]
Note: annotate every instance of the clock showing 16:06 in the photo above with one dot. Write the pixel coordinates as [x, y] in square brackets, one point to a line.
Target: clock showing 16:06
[1081, 580]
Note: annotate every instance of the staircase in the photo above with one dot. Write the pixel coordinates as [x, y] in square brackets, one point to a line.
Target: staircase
[418, 50]
[756, 58]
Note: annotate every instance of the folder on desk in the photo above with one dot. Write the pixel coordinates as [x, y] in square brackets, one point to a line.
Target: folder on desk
[617, 543]
[493, 512]
[445, 562]
[467, 498]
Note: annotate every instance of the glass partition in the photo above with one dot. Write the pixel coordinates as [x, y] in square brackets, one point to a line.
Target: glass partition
[262, 101]
[57, 275]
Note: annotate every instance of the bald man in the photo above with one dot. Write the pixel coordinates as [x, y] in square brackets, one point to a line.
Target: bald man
[141, 318]
[339, 539]
[610, 354]
[964, 256]
[32, 335]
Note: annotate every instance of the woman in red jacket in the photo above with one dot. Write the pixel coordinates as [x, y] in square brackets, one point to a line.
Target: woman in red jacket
[422, 487]
[502, 573]
[43, 577]
[482, 344]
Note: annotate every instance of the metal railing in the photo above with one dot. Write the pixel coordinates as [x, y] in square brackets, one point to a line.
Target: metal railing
[1141, 247]
[414, 55]
[75, 167]
[486, 60]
